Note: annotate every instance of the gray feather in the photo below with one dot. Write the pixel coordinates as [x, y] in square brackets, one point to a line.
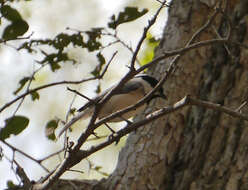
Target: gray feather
[127, 88]
[70, 123]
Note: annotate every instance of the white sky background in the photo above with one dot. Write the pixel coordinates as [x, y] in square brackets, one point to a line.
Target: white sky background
[47, 18]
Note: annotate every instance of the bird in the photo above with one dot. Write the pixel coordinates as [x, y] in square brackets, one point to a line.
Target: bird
[131, 92]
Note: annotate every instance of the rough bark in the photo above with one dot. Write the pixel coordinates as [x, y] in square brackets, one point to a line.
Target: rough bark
[194, 148]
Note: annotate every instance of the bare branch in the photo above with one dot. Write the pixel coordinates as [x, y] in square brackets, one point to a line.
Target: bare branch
[19, 38]
[78, 93]
[55, 84]
[76, 155]
[118, 40]
[23, 176]
[186, 101]
[19, 173]
[106, 68]
[28, 86]
[143, 37]
[241, 106]
[216, 107]
[14, 149]
[51, 155]
[163, 3]
[164, 77]
[43, 87]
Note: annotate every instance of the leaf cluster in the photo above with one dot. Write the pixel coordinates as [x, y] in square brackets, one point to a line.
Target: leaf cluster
[90, 40]
[17, 26]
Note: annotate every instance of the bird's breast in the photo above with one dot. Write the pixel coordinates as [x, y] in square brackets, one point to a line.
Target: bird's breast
[119, 102]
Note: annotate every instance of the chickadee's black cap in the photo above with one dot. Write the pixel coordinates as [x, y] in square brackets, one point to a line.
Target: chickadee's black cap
[153, 82]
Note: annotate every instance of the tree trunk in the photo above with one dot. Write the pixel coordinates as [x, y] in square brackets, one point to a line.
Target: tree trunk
[194, 148]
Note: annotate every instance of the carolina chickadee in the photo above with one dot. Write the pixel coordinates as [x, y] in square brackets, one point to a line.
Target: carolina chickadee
[132, 91]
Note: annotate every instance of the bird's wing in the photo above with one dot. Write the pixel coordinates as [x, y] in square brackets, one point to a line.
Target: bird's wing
[129, 87]
[90, 103]
[126, 89]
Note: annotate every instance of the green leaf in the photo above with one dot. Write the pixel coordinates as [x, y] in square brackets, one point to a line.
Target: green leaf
[93, 43]
[97, 168]
[55, 66]
[35, 96]
[22, 83]
[101, 58]
[10, 13]
[77, 40]
[11, 185]
[54, 59]
[152, 40]
[50, 128]
[13, 125]
[98, 89]
[73, 111]
[61, 41]
[98, 68]
[148, 53]
[15, 29]
[129, 14]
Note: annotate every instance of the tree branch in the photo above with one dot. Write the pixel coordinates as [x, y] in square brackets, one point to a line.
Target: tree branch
[143, 37]
[186, 101]
[14, 149]
[55, 84]
[76, 155]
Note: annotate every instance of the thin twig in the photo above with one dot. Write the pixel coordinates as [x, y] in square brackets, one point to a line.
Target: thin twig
[183, 50]
[28, 86]
[143, 37]
[118, 40]
[66, 120]
[241, 106]
[112, 130]
[78, 93]
[24, 154]
[11, 161]
[43, 87]
[57, 83]
[97, 138]
[163, 3]
[186, 101]
[218, 35]
[19, 38]
[19, 173]
[77, 171]
[216, 107]
[76, 155]
[106, 68]
[188, 47]
[51, 155]
[77, 117]
[23, 176]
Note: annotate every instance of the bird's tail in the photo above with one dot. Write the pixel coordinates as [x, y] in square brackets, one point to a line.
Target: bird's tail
[81, 115]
